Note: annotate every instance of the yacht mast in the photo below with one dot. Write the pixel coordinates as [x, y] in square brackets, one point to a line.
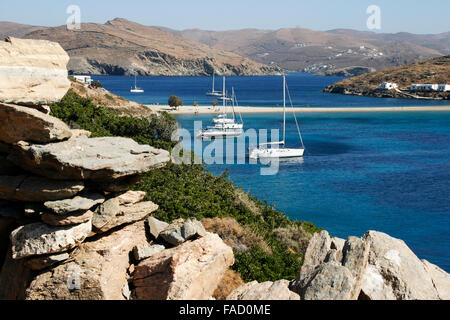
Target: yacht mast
[284, 108]
[224, 94]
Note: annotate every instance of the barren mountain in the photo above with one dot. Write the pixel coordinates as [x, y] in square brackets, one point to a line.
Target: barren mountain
[320, 52]
[435, 70]
[16, 30]
[121, 47]
[439, 42]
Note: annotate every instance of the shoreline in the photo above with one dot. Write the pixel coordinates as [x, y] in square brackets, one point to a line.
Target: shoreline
[191, 110]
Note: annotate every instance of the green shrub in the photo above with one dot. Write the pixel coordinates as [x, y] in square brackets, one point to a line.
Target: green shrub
[82, 113]
[96, 84]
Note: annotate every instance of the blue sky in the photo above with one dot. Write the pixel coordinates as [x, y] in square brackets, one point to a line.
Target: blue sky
[431, 16]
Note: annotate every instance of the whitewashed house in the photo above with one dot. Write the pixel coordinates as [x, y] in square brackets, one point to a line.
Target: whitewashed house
[424, 87]
[444, 87]
[84, 79]
[388, 86]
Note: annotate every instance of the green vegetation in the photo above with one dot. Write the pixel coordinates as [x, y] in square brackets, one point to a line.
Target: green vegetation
[184, 191]
[175, 102]
[96, 84]
[79, 112]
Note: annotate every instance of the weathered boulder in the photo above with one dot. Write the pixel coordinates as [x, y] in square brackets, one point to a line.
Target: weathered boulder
[332, 270]
[26, 124]
[79, 203]
[264, 291]
[81, 158]
[317, 251]
[394, 271]
[441, 280]
[156, 226]
[105, 213]
[180, 231]
[112, 207]
[329, 281]
[131, 197]
[43, 262]
[97, 272]
[40, 239]
[126, 215]
[70, 220]
[37, 189]
[191, 271]
[146, 251]
[32, 72]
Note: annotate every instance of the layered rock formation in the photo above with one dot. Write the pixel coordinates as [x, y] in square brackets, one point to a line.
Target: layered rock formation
[32, 72]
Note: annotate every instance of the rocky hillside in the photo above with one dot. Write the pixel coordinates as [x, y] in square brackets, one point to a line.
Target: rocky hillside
[71, 228]
[122, 47]
[315, 51]
[435, 70]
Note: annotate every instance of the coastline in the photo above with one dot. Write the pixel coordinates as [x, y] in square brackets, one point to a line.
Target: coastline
[189, 110]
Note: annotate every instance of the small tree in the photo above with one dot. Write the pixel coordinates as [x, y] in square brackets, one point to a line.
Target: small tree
[96, 84]
[175, 102]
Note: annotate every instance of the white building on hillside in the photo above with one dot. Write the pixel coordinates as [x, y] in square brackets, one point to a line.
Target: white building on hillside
[424, 87]
[444, 87]
[84, 79]
[388, 86]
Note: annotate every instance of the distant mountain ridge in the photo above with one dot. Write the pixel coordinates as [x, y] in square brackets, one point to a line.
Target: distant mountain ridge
[324, 52]
[124, 47]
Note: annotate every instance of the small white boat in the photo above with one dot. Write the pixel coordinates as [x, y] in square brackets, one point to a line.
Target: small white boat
[214, 93]
[136, 89]
[278, 149]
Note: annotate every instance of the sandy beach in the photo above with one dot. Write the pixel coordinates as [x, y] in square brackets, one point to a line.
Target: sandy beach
[186, 110]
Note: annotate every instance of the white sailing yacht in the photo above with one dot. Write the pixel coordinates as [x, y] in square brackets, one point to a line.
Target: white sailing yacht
[225, 127]
[136, 89]
[214, 93]
[263, 151]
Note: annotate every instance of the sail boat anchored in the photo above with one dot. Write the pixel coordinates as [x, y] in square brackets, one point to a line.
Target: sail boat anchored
[225, 127]
[136, 89]
[214, 93]
[263, 150]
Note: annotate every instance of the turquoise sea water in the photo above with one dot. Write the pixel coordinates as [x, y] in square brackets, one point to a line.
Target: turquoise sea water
[362, 171]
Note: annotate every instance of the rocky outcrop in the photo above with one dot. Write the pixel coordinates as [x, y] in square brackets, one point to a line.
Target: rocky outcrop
[395, 272]
[126, 215]
[25, 124]
[440, 278]
[180, 231]
[191, 271]
[375, 267]
[264, 291]
[81, 158]
[98, 270]
[31, 188]
[40, 239]
[32, 72]
[79, 203]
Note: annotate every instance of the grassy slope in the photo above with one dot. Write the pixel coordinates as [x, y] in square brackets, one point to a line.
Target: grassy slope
[275, 244]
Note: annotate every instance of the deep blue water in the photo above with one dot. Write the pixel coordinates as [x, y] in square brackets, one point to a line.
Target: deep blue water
[362, 171]
[306, 89]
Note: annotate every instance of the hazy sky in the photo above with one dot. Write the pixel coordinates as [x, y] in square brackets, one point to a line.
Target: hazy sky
[430, 16]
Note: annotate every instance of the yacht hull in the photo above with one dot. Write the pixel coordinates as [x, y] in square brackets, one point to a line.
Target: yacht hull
[276, 153]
